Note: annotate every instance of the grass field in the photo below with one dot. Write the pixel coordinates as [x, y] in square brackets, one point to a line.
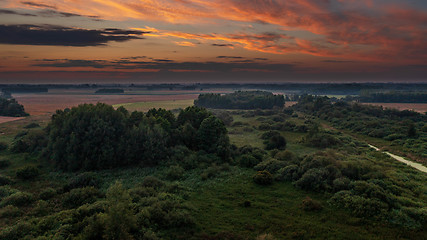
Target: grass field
[145, 106]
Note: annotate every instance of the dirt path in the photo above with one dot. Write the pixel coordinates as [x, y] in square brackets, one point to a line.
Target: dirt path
[9, 119]
[417, 166]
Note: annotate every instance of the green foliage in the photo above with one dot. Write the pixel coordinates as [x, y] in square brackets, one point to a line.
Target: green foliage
[247, 160]
[4, 164]
[119, 218]
[32, 125]
[18, 199]
[27, 173]
[86, 179]
[241, 100]
[175, 172]
[47, 193]
[79, 196]
[308, 204]
[32, 141]
[3, 146]
[273, 140]
[10, 211]
[10, 107]
[263, 178]
[91, 137]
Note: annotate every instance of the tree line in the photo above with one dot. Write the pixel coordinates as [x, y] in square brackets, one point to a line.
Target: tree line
[240, 100]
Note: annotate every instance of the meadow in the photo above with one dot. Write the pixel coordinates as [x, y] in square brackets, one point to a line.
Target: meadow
[371, 196]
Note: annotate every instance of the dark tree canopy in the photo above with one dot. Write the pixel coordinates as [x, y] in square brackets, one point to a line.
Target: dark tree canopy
[11, 108]
[241, 100]
[90, 137]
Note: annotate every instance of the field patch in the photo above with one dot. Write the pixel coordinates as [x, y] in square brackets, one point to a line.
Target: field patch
[145, 106]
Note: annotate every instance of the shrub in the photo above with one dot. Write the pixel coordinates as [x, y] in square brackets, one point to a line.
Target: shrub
[6, 191]
[211, 172]
[47, 193]
[32, 125]
[341, 183]
[18, 199]
[4, 164]
[247, 160]
[309, 204]
[263, 178]
[86, 179]
[175, 172]
[80, 196]
[5, 180]
[288, 173]
[3, 146]
[10, 211]
[313, 179]
[286, 156]
[271, 165]
[151, 181]
[27, 173]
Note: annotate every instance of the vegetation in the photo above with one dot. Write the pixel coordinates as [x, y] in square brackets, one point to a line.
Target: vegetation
[241, 100]
[403, 130]
[109, 90]
[11, 108]
[160, 175]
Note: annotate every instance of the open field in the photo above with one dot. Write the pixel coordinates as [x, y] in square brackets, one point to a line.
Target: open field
[418, 107]
[145, 106]
[48, 103]
[9, 119]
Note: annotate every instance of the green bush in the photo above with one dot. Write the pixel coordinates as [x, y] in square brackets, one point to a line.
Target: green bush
[175, 172]
[309, 204]
[10, 211]
[47, 193]
[18, 199]
[32, 125]
[263, 178]
[27, 173]
[86, 179]
[3, 146]
[5, 180]
[4, 164]
[80, 196]
[6, 191]
[288, 173]
[153, 182]
[248, 161]
[271, 165]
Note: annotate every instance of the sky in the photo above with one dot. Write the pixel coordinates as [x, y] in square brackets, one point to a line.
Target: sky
[147, 41]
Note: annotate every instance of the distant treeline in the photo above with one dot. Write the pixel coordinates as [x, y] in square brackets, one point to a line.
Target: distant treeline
[110, 90]
[25, 89]
[241, 100]
[11, 108]
[392, 97]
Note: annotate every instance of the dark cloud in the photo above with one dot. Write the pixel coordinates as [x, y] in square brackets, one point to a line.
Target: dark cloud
[337, 61]
[47, 13]
[168, 65]
[222, 45]
[11, 12]
[261, 59]
[40, 5]
[62, 36]
[230, 57]
[53, 13]
[133, 58]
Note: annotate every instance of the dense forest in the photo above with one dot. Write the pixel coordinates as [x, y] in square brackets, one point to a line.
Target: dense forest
[95, 172]
[11, 108]
[241, 100]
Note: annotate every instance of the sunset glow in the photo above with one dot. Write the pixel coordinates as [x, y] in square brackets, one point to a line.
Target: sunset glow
[218, 40]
